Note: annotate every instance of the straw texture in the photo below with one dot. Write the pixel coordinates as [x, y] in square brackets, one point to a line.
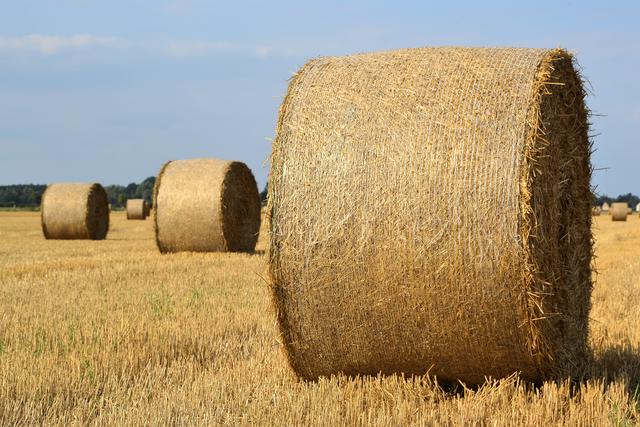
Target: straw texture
[596, 211]
[430, 212]
[619, 211]
[137, 209]
[206, 205]
[75, 211]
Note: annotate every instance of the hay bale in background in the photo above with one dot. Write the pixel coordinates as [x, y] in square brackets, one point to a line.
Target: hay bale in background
[596, 211]
[619, 211]
[206, 205]
[75, 211]
[605, 207]
[384, 256]
[137, 209]
[629, 210]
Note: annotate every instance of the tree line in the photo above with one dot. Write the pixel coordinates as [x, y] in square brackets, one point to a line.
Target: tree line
[631, 199]
[30, 195]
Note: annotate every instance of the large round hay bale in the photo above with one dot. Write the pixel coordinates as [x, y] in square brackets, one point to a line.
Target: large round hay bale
[619, 211]
[75, 211]
[137, 209]
[430, 212]
[206, 205]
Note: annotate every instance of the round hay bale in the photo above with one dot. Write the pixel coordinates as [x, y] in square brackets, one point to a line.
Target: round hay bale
[387, 253]
[596, 211]
[206, 205]
[75, 211]
[619, 211]
[137, 209]
[605, 207]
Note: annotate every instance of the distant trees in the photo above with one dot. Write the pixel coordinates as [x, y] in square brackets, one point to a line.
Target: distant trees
[22, 195]
[30, 195]
[119, 194]
[631, 199]
[264, 193]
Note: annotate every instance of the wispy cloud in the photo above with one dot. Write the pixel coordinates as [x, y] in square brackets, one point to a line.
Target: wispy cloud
[52, 45]
[188, 49]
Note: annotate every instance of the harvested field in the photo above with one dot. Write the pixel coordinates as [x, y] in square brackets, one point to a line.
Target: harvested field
[112, 332]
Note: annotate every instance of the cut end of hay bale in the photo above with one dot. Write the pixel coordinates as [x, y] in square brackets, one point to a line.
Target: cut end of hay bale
[387, 254]
[619, 211]
[137, 209]
[206, 205]
[75, 211]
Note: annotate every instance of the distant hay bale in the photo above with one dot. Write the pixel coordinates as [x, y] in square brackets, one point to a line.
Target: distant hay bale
[619, 211]
[75, 211]
[137, 209]
[596, 211]
[206, 205]
[605, 207]
[629, 210]
[386, 252]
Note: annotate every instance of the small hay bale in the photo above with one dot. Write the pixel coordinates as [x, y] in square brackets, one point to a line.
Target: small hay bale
[605, 207]
[137, 209]
[596, 211]
[75, 211]
[619, 211]
[386, 254]
[206, 205]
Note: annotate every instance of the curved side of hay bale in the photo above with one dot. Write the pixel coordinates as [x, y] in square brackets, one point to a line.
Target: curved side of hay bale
[137, 209]
[75, 211]
[619, 211]
[206, 205]
[386, 254]
[596, 211]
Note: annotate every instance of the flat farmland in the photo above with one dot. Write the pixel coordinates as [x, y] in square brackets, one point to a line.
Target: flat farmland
[112, 332]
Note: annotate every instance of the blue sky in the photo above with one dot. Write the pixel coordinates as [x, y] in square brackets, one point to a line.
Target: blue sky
[108, 90]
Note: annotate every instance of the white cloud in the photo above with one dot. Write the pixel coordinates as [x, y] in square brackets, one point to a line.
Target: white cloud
[51, 45]
[187, 49]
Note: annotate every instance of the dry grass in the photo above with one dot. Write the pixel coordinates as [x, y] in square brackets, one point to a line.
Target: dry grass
[111, 332]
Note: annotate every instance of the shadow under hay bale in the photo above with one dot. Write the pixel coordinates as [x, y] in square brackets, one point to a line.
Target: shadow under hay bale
[75, 211]
[619, 211]
[137, 209]
[206, 205]
[386, 251]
